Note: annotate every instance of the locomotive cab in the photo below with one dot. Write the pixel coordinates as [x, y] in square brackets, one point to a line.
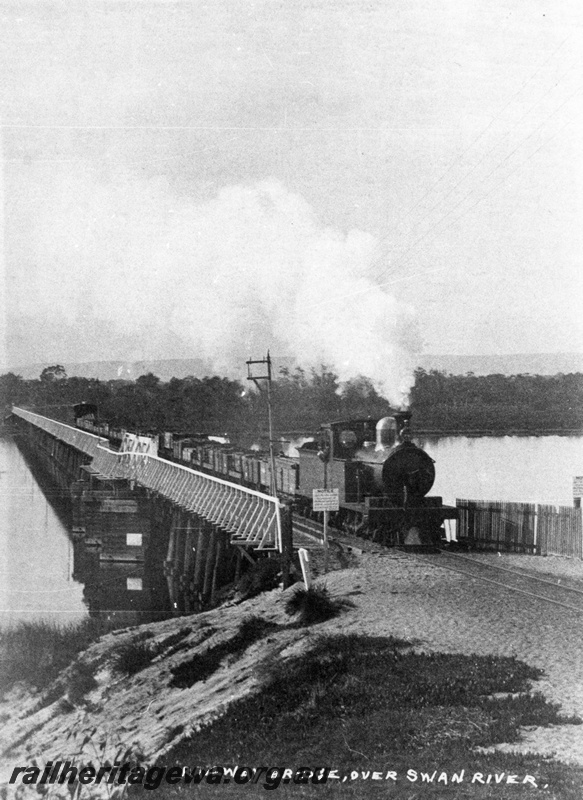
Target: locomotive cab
[333, 462]
[344, 439]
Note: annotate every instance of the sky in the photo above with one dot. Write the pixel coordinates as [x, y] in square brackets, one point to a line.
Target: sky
[345, 182]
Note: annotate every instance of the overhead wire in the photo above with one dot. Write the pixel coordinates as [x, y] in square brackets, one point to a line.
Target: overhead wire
[498, 115]
[488, 126]
[474, 167]
[403, 260]
[423, 236]
[496, 186]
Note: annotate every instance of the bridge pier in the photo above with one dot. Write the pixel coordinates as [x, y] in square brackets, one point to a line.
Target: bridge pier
[199, 561]
[59, 460]
[135, 508]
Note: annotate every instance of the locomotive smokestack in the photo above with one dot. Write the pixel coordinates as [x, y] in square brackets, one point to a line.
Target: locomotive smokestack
[403, 420]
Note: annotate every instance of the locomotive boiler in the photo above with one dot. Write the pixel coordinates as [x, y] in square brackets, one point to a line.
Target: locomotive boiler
[383, 480]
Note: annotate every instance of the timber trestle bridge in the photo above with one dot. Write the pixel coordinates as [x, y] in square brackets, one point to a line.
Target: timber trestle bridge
[251, 518]
[132, 503]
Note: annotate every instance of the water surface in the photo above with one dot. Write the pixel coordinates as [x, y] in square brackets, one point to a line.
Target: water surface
[36, 575]
[536, 469]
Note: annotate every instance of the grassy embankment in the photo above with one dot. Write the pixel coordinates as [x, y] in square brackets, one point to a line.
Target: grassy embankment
[36, 652]
[364, 704]
[361, 704]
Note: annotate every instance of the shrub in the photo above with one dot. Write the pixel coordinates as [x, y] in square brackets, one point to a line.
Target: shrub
[81, 682]
[132, 657]
[314, 605]
[198, 668]
[261, 577]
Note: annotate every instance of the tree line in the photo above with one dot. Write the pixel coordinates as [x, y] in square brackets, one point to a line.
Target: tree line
[303, 399]
[498, 403]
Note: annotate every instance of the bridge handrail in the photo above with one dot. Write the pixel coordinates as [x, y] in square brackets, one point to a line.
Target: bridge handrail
[55, 426]
[261, 495]
[92, 445]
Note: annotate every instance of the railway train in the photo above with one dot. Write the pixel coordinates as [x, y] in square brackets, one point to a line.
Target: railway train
[383, 478]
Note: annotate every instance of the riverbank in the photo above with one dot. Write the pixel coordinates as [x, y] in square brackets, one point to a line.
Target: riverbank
[393, 595]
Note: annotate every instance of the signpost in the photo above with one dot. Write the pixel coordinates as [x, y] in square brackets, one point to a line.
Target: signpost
[325, 500]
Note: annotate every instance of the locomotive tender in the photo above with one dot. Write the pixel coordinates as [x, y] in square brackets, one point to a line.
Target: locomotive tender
[383, 478]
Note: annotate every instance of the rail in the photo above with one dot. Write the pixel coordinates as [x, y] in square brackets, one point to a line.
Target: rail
[251, 518]
[557, 588]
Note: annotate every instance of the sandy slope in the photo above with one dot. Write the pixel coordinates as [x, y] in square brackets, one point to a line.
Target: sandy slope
[393, 593]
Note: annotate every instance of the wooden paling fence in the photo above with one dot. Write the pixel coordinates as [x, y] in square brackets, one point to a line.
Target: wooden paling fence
[521, 527]
[560, 531]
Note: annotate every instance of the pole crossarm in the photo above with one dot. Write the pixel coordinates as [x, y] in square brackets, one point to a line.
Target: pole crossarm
[250, 517]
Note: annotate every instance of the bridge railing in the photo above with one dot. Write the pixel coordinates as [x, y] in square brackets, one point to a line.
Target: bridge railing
[81, 440]
[250, 517]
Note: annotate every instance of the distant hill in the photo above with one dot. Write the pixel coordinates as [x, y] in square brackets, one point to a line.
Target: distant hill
[130, 370]
[124, 370]
[515, 364]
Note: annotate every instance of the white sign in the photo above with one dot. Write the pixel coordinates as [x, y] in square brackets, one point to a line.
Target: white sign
[325, 499]
[578, 486]
[133, 443]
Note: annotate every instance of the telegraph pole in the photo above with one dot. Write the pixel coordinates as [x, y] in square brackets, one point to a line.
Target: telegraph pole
[261, 371]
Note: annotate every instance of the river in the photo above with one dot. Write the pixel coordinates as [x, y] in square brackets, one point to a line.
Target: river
[38, 563]
[47, 574]
[37, 552]
[535, 469]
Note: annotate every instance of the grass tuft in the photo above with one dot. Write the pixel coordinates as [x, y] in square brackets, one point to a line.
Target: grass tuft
[132, 657]
[80, 683]
[197, 668]
[314, 605]
[35, 652]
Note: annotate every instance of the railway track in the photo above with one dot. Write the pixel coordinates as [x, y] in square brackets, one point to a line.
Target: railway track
[311, 532]
[550, 590]
[559, 591]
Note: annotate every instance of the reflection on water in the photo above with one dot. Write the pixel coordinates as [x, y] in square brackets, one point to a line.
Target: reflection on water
[124, 592]
[37, 553]
[48, 572]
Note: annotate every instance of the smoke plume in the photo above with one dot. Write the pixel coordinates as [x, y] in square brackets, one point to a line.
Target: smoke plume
[230, 277]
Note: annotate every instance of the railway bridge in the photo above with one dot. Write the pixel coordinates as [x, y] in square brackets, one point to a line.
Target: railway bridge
[207, 518]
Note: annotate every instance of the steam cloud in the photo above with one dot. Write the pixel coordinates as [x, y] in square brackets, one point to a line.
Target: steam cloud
[251, 269]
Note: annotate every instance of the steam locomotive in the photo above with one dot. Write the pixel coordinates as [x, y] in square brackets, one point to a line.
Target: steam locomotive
[383, 478]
